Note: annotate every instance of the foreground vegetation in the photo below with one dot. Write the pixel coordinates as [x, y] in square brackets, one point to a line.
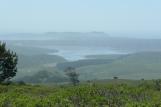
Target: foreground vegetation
[144, 94]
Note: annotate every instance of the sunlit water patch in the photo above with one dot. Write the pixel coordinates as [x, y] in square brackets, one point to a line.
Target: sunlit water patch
[73, 53]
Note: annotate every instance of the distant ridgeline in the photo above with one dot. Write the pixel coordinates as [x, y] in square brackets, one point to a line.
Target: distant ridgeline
[86, 39]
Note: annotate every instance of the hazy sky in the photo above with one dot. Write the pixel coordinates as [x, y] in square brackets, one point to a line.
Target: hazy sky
[111, 16]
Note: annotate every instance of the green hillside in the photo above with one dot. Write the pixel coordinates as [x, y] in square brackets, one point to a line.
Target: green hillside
[30, 61]
[145, 65]
[134, 66]
[30, 64]
[82, 63]
[90, 60]
[110, 56]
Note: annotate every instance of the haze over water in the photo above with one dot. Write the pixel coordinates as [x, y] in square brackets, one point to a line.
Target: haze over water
[73, 53]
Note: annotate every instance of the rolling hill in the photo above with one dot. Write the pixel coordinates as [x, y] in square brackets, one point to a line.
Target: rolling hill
[145, 65]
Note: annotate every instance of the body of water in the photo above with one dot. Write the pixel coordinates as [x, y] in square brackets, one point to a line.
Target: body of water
[73, 53]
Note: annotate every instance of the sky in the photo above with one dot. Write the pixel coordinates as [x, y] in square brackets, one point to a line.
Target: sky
[116, 17]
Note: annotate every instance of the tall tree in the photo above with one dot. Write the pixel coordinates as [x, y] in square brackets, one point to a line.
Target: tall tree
[8, 63]
[73, 75]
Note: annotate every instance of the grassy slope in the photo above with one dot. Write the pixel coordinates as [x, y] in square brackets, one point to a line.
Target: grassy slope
[136, 66]
[91, 60]
[26, 61]
[29, 65]
[82, 63]
[33, 59]
[114, 56]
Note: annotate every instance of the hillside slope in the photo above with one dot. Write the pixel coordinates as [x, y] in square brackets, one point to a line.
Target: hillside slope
[135, 66]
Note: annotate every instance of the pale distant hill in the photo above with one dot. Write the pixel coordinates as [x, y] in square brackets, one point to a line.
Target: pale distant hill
[54, 36]
[95, 39]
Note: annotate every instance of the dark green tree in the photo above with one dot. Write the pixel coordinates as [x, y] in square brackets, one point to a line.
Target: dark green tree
[73, 75]
[8, 63]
